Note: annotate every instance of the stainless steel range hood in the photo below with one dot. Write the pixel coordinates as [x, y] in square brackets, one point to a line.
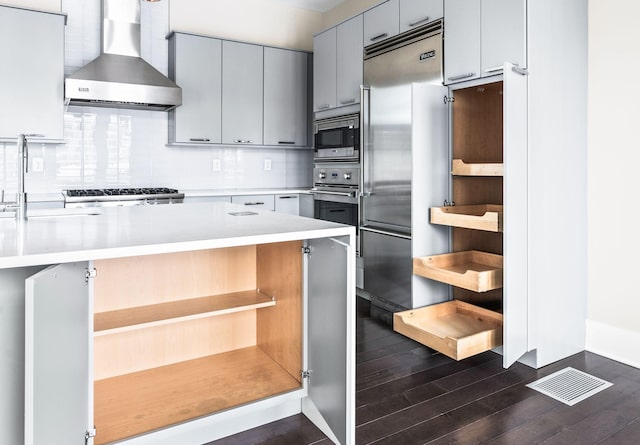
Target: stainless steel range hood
[119, 77]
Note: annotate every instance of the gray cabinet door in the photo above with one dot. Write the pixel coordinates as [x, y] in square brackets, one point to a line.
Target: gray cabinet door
[330, 403]
[349, 61]
[503, 34]
[381, 22]
[32, 75]
[415, 13]
[58, 356]
[242, 93]
[516, 216]
[288, 204]
[324, 70]
[196, 66]
[285, 97]
[461, 40]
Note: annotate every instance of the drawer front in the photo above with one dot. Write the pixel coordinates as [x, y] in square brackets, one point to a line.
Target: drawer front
[263, 202]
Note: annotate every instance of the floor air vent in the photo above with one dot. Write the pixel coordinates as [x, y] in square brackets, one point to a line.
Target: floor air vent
[569, 385]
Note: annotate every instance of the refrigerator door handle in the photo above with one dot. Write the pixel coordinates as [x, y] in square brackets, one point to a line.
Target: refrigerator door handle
[365, 95]
[384, 232]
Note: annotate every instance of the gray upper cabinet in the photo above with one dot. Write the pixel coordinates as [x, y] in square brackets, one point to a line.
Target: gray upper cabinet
[32, 76]
[349, 59]
[242, 91]
[414, 13]
[195, 65]
[324, 70]
[462, 40]
[337, 65]
[503, 34]
[285, 97]
[481, 35]
[381, 22]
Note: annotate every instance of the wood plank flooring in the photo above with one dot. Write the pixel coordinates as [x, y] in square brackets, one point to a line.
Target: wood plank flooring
[408, 394]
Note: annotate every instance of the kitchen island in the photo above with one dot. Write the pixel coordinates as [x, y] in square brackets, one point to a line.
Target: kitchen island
[174, 324]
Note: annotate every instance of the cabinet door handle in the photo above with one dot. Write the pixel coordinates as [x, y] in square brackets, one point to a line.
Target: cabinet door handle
[199, 139]
[324, 106]
[242, 141]
[286, 197]
[257, 203]
[379, 36]
[417, 22]
[493, 69]
[286, 142]
[461, 76]
[347, 101]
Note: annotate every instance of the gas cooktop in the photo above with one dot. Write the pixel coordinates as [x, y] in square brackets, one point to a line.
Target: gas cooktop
[141, 195]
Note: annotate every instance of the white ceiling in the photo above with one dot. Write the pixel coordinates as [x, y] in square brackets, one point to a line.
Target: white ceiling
[314, 5]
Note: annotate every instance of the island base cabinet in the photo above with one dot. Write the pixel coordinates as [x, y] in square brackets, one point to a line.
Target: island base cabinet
[170, 347]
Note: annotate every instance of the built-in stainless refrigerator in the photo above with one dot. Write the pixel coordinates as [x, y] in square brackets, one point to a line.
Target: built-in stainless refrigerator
[404, 119]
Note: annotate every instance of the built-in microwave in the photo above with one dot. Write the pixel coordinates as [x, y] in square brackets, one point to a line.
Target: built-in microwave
[337, 138]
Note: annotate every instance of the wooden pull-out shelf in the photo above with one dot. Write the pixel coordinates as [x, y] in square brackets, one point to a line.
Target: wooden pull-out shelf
[480, 217]
[455, 328]
[473, 270]
[461, 168]
[176, 311]
[147, 400]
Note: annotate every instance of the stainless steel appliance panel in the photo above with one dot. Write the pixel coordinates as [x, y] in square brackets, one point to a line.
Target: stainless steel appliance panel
[388, 266]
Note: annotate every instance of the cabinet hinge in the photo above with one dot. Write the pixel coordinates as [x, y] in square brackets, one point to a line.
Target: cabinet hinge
[90, 273]
[306, 250]
[448, 100]
[89, 434]
[306, 374]
[448, 203]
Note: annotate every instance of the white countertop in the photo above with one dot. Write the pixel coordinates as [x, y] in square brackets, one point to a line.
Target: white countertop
[69, 235]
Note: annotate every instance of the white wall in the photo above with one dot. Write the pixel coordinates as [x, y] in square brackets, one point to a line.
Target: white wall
[613, 327]
[346, 9]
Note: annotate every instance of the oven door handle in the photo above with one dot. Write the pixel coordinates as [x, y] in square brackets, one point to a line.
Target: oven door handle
[328, 192]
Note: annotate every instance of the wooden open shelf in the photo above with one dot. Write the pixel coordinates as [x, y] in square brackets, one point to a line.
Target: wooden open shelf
[486, 217]
[455, 328]
[473, 270]
[176, 311]
[147, 400]
[461, 168]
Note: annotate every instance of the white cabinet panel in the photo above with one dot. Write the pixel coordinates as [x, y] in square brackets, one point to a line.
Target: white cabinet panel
[381, 22]
[58, 355]
[285, 98]
[32, 75]
[196, 65]
[324, 70]
[242, 90]
[287, 204]
[260, 202]
[503, 34]
[461, 40]
[349, 61]
[415, 13]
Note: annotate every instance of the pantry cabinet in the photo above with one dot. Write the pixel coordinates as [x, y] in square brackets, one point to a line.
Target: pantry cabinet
[480, 35]
[337, 65]
[513, 249]
[32, 76]
[190, 346]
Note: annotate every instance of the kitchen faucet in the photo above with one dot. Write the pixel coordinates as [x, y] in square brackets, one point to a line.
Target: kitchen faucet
[20, 205]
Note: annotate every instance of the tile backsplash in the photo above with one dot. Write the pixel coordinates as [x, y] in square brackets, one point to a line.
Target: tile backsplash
[107, 147]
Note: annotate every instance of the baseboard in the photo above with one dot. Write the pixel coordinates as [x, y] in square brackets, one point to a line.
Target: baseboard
[617, 344]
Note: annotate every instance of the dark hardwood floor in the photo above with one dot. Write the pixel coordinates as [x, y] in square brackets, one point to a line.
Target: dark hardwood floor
[408, 394]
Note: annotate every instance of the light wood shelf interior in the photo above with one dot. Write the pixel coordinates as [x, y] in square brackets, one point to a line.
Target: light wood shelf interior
[182, 335]
[123, 320]
[147, 400]
[479, 217]
[462, 168]
[455, 328]
[473, 270]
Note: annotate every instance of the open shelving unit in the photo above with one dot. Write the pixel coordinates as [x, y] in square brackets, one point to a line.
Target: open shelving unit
[205, 331]
[464, 326]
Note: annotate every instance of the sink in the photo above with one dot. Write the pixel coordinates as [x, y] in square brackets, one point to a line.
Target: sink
[55, 213]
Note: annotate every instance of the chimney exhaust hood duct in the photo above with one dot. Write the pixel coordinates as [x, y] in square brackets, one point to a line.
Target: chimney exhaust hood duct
[119, 77]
